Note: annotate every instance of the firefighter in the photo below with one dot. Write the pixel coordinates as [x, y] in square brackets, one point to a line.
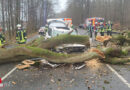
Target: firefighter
[72, 26]
[102, 29]
[2, 38]
[90, 28]
[46, 28]
[41, 31]
[96, 29]
[109, 28]
[21, 36]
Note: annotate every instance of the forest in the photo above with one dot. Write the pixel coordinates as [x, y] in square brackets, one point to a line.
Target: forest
[30, 13]
[115, 10]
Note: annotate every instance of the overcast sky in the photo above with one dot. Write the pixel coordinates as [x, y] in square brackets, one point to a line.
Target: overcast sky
[61, 6]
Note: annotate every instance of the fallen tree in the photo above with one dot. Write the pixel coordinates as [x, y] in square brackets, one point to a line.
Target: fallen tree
[116, 60]
[18, 54]
[59, 40]
[109, 54]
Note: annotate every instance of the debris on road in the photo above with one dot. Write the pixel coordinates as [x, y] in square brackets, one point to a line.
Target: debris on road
[45, 62]
[28, 62]
[25, 64]
[52, 80]
[79, 67]
[14, 83]
[98, 52]
[128, 63]
[103, 38]
[94, 63]
[106, 82]
[72, 81]
[22, 66]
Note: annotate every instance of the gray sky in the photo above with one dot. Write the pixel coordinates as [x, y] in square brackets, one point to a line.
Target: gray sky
[61, 6]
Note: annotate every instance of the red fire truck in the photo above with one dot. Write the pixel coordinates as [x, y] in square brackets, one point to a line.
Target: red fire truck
[95, 21]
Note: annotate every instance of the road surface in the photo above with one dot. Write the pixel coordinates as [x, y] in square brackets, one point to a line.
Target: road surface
[95, 76]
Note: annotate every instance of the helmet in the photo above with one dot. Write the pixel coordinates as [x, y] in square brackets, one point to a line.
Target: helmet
[19, 25]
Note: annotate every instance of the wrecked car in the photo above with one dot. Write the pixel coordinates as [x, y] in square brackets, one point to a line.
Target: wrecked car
[56, 28]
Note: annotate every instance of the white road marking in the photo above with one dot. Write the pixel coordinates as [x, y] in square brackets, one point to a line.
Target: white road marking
[119, 76]
[9, 73]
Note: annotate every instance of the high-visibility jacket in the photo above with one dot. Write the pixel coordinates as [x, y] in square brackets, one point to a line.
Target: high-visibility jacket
[102, 29]
[2, 39]
[21, 36]
[1, 43]
[109, 27]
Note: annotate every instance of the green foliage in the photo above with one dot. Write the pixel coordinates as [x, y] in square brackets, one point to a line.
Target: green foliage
[46, 53]
[124, 52]
[128, 34]
[119, 39]
[112, 52]
[116, 60]
[65, 39]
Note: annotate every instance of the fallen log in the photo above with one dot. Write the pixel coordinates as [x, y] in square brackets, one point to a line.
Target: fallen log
[39, 48]
[21, 53]
[112, 52]
[59, 40]
[116, 60]
[119, 40]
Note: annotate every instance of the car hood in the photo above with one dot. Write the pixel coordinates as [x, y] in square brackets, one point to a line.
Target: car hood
[58, 31]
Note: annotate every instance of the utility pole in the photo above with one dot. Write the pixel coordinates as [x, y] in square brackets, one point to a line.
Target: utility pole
[45, 12]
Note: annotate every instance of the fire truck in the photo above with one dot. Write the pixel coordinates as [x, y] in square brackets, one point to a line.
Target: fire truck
[95, 21]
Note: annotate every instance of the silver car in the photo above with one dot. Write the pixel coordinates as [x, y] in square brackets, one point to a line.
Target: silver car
[56, 28]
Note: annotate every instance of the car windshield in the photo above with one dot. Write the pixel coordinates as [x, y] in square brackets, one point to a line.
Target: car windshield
[57, 24]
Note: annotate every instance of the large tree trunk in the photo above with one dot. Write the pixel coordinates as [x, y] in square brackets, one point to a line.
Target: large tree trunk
[42, 49]
[21, 53]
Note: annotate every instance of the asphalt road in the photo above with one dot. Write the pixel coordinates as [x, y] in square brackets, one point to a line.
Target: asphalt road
[28, 40]
[95, 76]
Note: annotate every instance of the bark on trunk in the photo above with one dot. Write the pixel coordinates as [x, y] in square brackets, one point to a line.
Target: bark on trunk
[21, 53]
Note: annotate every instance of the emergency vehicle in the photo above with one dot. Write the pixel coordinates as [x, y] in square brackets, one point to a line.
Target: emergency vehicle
[95, 21]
